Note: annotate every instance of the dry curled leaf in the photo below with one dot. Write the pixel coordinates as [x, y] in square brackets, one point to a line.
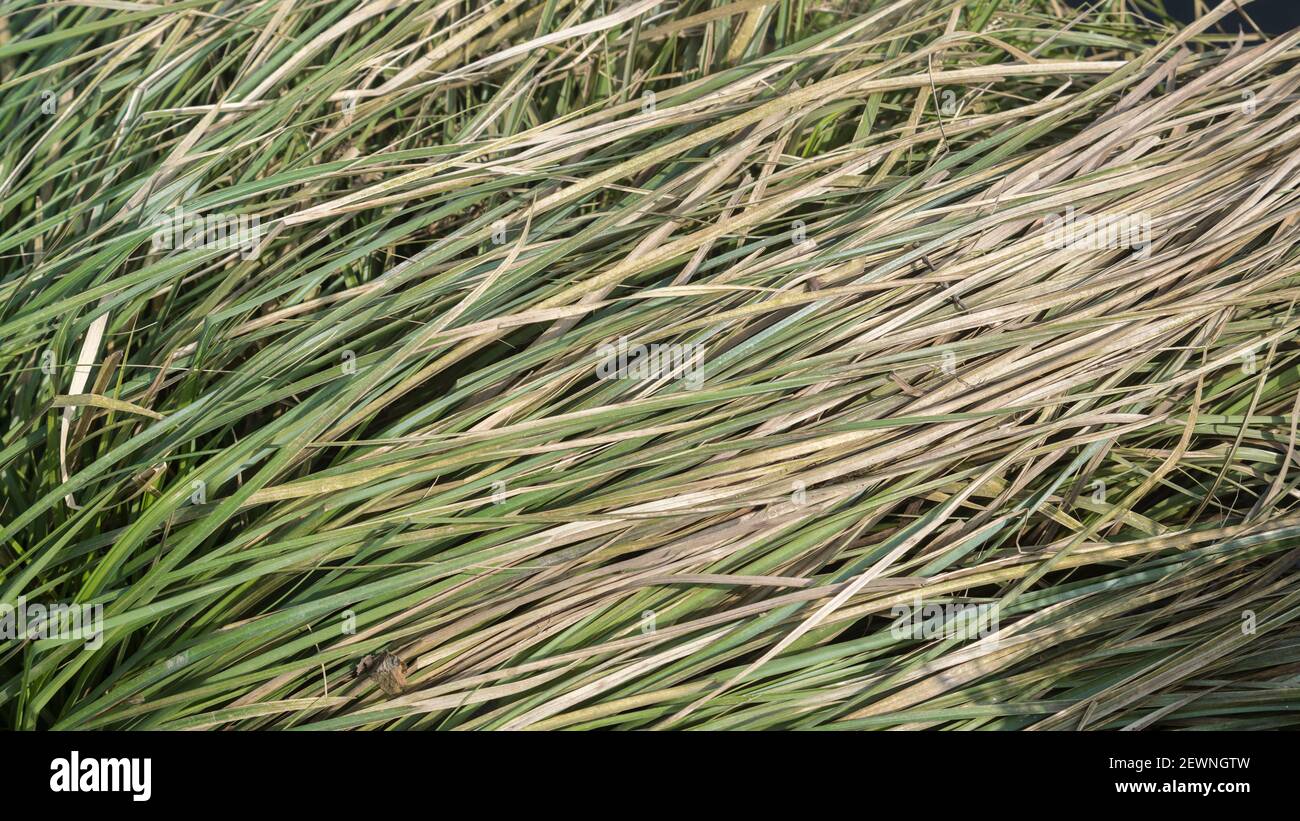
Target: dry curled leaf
[386, 670]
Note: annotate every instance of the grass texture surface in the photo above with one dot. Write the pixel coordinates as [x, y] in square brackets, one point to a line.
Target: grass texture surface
[541, 364]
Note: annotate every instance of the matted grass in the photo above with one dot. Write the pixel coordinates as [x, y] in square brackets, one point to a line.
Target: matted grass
[382, 427]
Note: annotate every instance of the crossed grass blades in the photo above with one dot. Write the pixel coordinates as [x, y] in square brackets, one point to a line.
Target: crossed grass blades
[383, 437]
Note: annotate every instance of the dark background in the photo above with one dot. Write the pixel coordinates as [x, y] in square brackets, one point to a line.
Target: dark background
[1272, 16]
[397, 776]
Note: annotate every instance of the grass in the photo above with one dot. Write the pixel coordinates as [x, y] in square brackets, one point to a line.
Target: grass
[385, 431]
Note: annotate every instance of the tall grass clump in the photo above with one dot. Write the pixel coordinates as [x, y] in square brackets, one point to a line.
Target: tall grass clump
[709, 364]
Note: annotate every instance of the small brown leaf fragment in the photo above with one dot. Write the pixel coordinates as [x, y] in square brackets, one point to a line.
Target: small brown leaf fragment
[386, 670]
